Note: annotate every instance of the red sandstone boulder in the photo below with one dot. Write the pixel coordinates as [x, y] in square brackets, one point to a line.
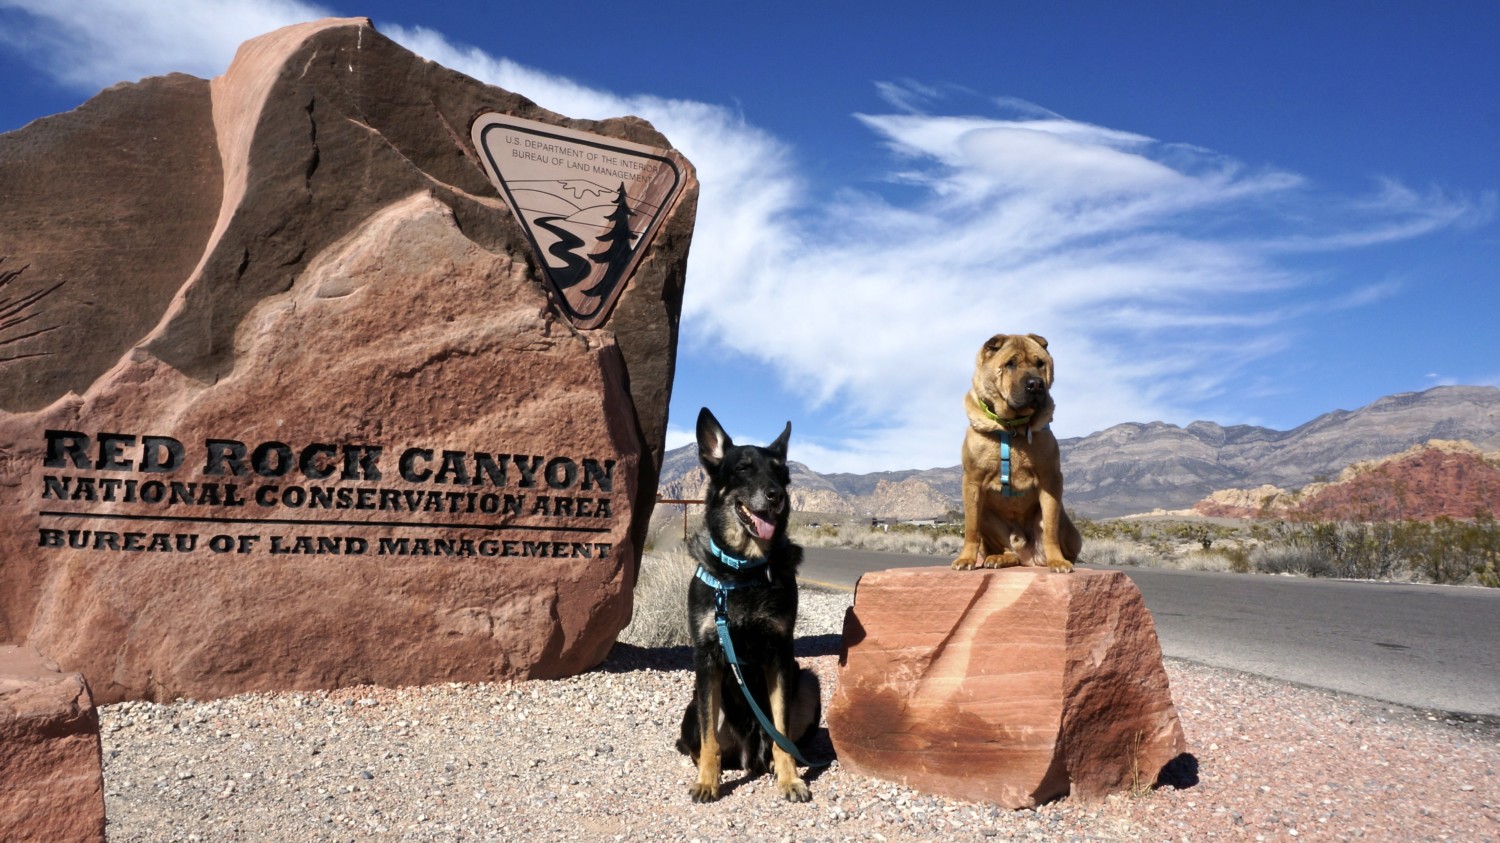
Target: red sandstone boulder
[1011, 686]
[51, 781]
[293, 407]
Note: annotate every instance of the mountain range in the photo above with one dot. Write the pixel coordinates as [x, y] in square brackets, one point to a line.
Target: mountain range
[1137, 468]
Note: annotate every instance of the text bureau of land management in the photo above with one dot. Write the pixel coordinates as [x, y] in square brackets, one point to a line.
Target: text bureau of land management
[273, 479]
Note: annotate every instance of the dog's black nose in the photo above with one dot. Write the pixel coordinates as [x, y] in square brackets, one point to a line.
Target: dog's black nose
[1033, 384]
[773, 495]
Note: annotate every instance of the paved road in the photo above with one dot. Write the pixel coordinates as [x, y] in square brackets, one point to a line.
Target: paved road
[1430, 647]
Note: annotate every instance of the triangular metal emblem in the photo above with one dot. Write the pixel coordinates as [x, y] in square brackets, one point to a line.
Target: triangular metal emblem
[588, 204]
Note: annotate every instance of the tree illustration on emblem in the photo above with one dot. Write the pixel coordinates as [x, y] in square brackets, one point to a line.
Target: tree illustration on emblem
[617, 245]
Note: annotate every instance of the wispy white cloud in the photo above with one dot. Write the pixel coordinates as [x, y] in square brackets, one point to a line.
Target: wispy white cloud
[1159, 271]
[91, 44]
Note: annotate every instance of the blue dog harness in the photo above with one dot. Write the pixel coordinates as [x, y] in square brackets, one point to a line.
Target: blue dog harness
[1005, 434]
[721, 622]
[1005, 488]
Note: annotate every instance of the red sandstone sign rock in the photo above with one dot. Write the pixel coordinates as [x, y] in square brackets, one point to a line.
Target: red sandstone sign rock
[51, 774]
[331, 427]
[1013, 686]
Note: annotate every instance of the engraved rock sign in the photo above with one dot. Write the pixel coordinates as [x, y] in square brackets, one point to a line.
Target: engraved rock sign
[290, 410]
[588, 204]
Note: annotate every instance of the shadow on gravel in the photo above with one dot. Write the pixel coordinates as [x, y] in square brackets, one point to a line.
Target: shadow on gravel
[817, 748]
[625, 658]
[1180, 773]
[628, 658]
[812, 646]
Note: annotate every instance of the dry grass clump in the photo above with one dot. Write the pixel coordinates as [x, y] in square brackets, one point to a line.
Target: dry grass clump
[1118, 553]
[1124, 553]
[660, 616]
[917, 541]
[1290, 559]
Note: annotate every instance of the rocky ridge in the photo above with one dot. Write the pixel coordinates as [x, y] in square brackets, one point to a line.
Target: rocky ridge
[1137, 468]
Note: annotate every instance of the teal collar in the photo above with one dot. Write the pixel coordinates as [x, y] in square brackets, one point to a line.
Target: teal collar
[734, 562]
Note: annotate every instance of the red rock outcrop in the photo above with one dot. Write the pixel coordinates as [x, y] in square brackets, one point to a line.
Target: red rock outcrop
[1011, 686]
[324, 426]
[1440, 479]
[51, 774]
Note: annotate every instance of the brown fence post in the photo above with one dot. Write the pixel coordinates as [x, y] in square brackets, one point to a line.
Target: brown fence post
[684, 503]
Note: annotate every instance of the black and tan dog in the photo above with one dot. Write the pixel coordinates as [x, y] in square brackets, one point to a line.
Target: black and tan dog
[743, 554]
[1013, 485]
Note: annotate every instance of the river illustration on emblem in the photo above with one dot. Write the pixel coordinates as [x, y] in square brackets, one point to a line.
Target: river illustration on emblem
[588, 204]
[585, 232]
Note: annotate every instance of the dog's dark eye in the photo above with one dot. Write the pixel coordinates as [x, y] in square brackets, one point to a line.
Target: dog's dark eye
[1010, 364]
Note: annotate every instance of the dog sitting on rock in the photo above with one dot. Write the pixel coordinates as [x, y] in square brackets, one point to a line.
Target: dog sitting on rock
[1013, 485]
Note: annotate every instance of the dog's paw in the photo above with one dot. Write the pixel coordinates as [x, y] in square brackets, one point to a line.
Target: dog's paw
[963, 563]
[704, 792]
[795, 791]
[1008, 559]
[1061, 566]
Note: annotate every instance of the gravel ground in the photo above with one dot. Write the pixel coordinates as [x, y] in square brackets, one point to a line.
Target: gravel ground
[591, 758]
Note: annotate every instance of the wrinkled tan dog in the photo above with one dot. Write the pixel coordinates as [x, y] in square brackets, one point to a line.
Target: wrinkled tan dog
[1013, 485]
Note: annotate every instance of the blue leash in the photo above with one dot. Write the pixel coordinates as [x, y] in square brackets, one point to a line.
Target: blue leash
[721, 622]
[1005, 488]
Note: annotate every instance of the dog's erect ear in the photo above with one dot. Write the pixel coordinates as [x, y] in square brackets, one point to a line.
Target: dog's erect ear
[1038, 339]
[992, 345]
[712, 440]
[779, 446]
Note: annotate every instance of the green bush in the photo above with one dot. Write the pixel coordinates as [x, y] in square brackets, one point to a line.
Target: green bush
[1488, 575]
[1354, 550]
[1448, 551]
[1444, 551]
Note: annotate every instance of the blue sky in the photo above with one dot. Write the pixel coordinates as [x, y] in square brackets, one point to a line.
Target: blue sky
[1239, 212]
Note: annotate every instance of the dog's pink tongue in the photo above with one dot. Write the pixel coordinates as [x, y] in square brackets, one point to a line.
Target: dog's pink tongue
[764, 529]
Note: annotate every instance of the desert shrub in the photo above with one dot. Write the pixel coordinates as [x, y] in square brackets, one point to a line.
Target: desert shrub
[1481, 538]
[1233, 557]
[660, 615]
[1287, 558]
[1118, 553]
[1124, 530]
[1448, 551]
[1199, 533]
[1364, 551]
[1206, 559]
[918, 541]
[1488, 575]
[1351, 550]
[826, 531]
[1441, 551]
[1484, 543]
[1094, 530]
